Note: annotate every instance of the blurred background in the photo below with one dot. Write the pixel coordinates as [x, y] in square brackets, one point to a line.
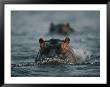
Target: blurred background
[28, 26]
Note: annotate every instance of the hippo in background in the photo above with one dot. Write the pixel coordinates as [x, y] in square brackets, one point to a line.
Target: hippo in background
[55, 51]
[61, 29]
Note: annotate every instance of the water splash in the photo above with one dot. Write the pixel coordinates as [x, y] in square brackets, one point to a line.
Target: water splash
[85, 56]
[82, 55]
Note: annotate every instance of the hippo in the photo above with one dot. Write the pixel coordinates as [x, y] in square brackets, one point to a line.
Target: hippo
[55, 51]
[61, 29]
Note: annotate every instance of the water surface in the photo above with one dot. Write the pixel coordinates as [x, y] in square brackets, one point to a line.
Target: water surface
[28, 26]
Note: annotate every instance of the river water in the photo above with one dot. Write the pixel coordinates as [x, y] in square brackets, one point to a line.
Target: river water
[28, 26]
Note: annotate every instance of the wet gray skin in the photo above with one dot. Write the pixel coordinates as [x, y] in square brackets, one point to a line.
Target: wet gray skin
[52, 54]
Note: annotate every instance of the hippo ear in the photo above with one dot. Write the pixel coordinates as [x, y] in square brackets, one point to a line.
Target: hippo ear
[67, 39]
[67, 24]
[51, 24]
[41, 40]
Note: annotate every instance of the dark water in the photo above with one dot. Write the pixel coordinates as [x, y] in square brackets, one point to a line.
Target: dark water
[28, 26]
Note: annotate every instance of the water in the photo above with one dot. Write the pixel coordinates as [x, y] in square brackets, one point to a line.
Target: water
[28, 26]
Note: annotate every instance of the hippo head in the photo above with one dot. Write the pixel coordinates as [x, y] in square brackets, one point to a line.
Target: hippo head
[61, 28]
[53, 47]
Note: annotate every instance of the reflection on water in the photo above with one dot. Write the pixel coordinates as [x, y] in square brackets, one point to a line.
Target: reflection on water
[27, 27]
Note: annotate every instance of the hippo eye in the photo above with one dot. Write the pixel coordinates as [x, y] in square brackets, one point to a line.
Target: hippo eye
[59, 46]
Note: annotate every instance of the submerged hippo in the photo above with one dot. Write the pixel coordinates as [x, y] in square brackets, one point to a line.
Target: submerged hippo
[55, 51]
[61, 28]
